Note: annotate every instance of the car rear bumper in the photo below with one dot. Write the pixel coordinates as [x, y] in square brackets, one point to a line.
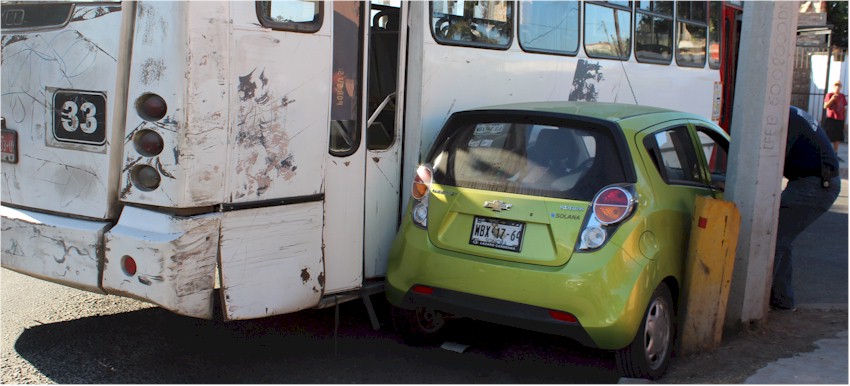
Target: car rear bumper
[606, 292]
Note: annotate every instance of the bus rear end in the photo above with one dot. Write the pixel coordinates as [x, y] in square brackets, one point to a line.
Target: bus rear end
[62, 136]
[156, 150]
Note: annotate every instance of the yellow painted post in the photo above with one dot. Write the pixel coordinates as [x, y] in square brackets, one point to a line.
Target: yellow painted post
[708, 274]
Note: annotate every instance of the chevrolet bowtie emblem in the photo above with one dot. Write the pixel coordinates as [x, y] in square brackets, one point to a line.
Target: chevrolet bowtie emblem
[497, 205]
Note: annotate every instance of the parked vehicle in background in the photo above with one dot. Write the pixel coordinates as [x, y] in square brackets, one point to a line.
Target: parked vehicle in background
[569, 218]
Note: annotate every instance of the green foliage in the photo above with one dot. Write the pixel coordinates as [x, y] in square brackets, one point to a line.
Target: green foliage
[836, 15]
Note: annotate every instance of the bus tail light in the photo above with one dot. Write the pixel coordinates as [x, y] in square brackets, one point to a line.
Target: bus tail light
[151, 107]
[129, 265]
[610, 207]
[148, 143]
[145, 177]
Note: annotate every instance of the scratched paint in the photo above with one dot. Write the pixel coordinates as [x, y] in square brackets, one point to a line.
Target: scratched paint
[265, 158]
[89, 13]
[53, 175]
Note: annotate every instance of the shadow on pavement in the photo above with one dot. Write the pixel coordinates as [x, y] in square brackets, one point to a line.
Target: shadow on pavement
[156, 346]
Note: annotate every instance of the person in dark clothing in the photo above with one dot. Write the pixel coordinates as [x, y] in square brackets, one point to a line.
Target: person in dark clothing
[811, 167]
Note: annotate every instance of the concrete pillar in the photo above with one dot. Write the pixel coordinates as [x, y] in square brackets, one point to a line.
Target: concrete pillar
[759, 128]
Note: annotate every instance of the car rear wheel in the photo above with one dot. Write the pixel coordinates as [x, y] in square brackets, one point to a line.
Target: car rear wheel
[418, 326]
[649, 353]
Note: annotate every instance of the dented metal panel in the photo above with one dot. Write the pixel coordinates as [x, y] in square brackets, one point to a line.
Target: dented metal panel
[59, 249]
[60, 169]
[175, 259]
[271, 260]
[279, 93]
[180, 54]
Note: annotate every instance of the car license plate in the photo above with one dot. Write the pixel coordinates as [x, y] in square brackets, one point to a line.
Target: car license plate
[79, 117]
[10, 146]
[497, 233]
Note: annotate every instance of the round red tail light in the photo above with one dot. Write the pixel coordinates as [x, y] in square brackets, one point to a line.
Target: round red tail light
[421, 182]
[145, 177]
[129, 265]
[151, 107]
[148, 143]
[612, 205]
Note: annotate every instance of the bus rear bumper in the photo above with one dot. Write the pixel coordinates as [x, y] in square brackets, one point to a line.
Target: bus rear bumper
[58, 249]
[173, 260]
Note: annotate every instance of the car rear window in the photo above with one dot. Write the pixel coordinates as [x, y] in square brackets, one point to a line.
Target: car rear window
[563, 161]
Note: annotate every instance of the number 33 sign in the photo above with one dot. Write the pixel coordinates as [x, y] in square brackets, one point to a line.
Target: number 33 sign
[79, 117]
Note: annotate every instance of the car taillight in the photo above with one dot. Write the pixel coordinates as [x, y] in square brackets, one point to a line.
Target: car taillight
[611, 206]
[419, 191]
[421, 182]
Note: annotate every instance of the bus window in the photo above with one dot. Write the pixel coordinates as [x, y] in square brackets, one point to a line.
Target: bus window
[654, 32]
[298, 16]
[690, 43]
[549, 26]
[383, 70]
[607, 29]
[345, 81]
[487, 24]
[714, 16]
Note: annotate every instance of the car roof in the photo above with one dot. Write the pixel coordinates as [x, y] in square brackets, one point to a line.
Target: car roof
[614, 112]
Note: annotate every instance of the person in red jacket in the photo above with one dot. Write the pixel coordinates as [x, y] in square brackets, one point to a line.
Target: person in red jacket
[835, 104]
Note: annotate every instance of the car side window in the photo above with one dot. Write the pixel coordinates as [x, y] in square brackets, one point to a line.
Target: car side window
[715, 149]
[673, 154]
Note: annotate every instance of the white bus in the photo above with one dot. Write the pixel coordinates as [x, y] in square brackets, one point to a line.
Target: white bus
[262, 151]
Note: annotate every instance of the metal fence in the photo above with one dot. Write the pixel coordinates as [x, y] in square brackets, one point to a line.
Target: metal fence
[805, 92]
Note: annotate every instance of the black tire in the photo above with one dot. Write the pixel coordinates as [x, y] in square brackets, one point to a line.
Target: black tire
[649, 353]
[420, 326]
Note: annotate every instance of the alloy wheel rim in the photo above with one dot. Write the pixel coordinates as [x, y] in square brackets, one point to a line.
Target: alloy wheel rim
[656, 333]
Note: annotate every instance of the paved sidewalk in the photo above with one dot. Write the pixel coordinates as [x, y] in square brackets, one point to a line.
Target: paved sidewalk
[827, 364]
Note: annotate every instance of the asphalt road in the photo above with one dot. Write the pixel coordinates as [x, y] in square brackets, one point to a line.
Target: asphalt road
[55, 334]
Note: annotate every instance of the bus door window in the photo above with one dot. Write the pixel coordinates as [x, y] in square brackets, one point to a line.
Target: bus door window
[383, 73]
[549, 27]
[608, 29]
[654, 32]
[487, 24]
[297, 16]
[345, 79]
[691, 17]
[715, 15]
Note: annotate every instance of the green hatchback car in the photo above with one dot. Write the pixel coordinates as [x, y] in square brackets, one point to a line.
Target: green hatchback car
[568, 218]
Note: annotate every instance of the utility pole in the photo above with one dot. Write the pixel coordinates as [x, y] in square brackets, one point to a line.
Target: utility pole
[759, 128]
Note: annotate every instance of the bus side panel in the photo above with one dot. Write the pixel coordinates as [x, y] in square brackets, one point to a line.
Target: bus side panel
[279, 98]
[271, 260]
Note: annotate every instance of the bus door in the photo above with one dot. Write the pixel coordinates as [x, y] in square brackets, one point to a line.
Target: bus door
[383, 133]
[345, 168]
[731, 32]
[363, 172]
